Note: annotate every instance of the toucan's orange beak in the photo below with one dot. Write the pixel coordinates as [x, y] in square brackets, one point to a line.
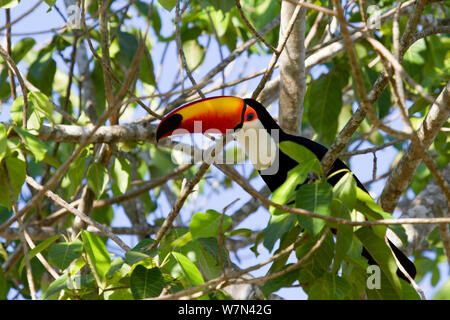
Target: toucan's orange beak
[215, 115]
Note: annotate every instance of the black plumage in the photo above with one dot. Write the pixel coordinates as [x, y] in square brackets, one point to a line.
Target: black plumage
[273, 181]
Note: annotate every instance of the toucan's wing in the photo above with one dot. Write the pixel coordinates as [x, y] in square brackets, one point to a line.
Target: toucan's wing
[320, 151]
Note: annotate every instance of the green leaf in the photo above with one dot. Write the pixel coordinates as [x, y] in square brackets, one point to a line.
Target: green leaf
[146, 283]
[97, 178]
[211, 246]
[75, 173]
[21, 48]
[182, 240]
[278, 225]
[116, 265]
[133, 257]
[367, 206]
[16, 172]
[8, 4]
[37, 147]
[161, 162]
[223, 5]
[316, 198]
[284, 193]
[34, 122]
[324, 102]
[42, 72]
[16, 110]
[205, 225]
[345, 190]
[143, 9]
[128, 44]
[39, 248]
[283, 281]
[380, 252]
[140, 252]
[444, 292]
[3, 285]
[384, 101]
[221, 20]
[2, 141]
[243, 232]
[286, 240]
[118, 294]
[319, 262]
[62, 254]
[147, 73]
[189, 270]
[344, 234]
[41, 102]
[167, 4]
[302, 154]
[56, 286]
[97, 256]
[194, 53]
[121, 173]
[329, 287]
[208, 262]
[418, 105]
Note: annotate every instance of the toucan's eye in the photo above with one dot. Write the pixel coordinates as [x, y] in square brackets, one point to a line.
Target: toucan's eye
[250, 116]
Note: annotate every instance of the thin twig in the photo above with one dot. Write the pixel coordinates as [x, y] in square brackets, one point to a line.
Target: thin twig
[312, 7]
[371, 150]
[313, 31]
[77, 213]
[220, 283]
[234, 175]
[12, 83]
[8, 25]
[359, 115]
[277, 53]
[108, 69]
[22, 235]
[224, 63]
[12, 65]
[405, 273]
[179, 203]
[104, 44]
[250, 26]
[399, 96]
[181, 51]
[220, 238]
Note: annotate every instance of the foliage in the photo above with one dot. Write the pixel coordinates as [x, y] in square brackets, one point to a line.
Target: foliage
[108, 179]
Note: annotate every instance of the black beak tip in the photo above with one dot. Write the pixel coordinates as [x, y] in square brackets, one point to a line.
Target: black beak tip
[168, 125]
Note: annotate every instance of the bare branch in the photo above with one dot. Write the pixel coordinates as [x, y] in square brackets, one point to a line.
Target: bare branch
[292, 71]
[401, 176]
[78, 213]
[22, 235]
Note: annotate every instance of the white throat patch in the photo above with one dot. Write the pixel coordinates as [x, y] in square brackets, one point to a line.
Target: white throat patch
[258, 144]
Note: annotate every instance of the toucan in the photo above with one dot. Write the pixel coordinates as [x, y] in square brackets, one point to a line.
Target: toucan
[259, 135]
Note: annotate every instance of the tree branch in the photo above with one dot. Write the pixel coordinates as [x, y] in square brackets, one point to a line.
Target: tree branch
[292, 70]
[401, 176]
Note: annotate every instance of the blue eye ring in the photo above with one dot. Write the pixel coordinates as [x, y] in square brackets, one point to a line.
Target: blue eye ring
[250, 116]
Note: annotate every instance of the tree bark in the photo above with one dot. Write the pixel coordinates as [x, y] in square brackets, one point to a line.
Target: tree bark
[429, 203]
[292, 70]
[401, 176]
